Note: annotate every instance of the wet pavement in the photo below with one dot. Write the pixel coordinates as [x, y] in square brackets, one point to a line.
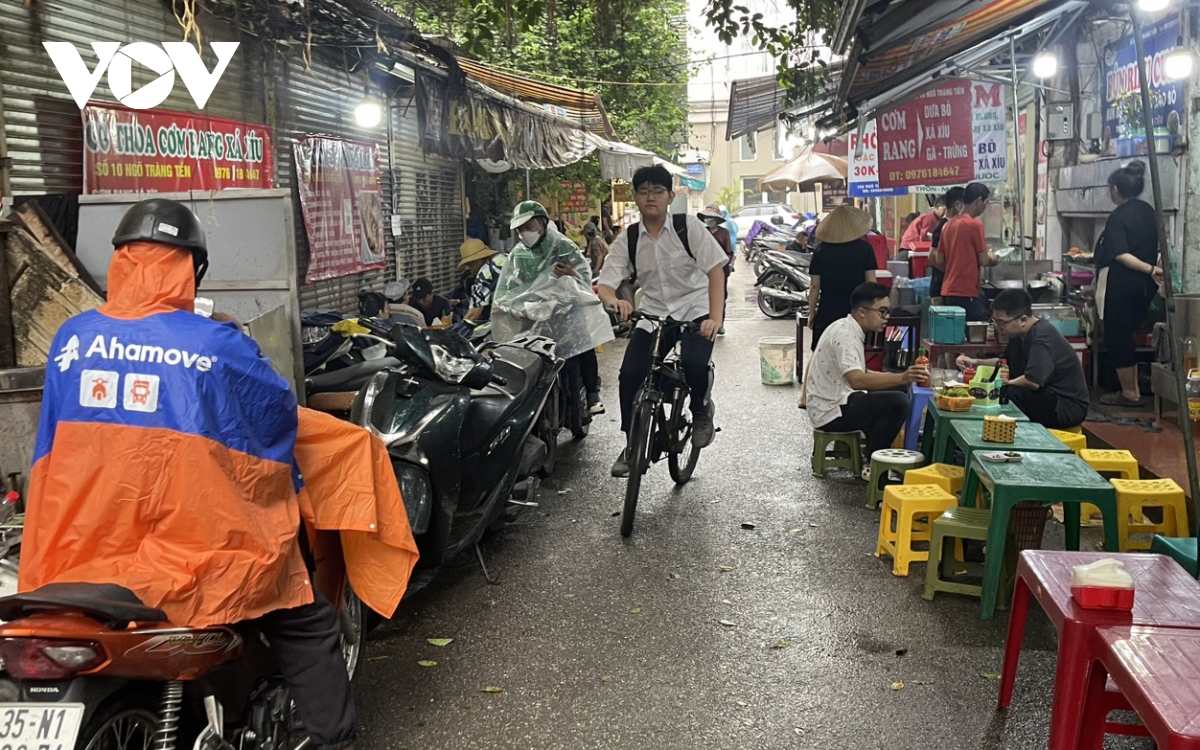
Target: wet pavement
[697, 632]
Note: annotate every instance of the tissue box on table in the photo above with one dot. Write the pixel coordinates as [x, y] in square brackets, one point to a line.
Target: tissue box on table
[1104, 584]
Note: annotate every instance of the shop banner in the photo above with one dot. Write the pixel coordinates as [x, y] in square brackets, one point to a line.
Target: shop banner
[152, 151]
[1123, 127]
[864, 175]
[990, 131]
[928, 140]
[342, 205]
[832, 197]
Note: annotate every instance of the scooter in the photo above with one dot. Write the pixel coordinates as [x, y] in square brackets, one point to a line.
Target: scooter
[782, 286]
[95, 668]
[467, 432]
[339, 364]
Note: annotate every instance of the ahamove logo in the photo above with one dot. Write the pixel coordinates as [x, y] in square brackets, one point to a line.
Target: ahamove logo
[112, 349]
[117, 60]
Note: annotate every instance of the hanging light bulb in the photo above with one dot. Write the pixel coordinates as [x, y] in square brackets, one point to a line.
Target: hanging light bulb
[1153, 6]
[1178, 64]
[369, 112]
[1045, 65]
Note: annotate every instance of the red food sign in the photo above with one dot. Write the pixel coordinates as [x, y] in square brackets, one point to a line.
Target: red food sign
[342, 205]
[152, 151]
[928, 140]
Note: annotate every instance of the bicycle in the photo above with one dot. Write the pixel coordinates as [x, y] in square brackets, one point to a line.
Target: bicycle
[662, 421]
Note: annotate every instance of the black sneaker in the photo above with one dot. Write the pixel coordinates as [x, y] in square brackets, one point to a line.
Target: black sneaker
[702, 428]
[620, 467]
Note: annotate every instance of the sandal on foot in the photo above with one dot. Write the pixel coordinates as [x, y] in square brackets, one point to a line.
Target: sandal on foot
[1118, 399]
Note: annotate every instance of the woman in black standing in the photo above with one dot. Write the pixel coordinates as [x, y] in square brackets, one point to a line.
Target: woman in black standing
[1127, 263]
[843, 260]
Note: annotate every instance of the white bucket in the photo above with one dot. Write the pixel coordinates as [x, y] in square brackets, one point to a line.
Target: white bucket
[777, 360]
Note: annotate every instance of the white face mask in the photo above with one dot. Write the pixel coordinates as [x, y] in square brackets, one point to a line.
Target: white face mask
[712, 222]
[530, 238]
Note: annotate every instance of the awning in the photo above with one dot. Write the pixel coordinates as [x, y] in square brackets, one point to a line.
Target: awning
[582, 107]
[618, 161]
[754, 103]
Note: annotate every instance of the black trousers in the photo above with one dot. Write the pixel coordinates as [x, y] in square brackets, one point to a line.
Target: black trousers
[589, 370]
[1047, 409]
[306, 642]
[694, 357]
[1124, 310]
[878, 414]
[975, 306]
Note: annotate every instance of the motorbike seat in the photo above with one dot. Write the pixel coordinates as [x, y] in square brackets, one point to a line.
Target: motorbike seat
[799, 260]
[108, 603]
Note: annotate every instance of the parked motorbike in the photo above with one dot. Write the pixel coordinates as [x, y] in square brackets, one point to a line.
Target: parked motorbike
[95, 668]
[782, 286]
[467, 432]
[337, 363]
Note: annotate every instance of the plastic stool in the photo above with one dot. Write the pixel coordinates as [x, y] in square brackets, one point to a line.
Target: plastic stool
[1133, 495]
[1073, 440]
[907, 502]
[1111, 462]
[1180, 549]
[920, 398]
[884, 461]
[959, 524]
[847, 453]
[949, 478]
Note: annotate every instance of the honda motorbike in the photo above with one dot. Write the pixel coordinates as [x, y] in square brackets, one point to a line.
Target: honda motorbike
[783, 285]
[341, 364]
[466, 431]
[94, 668]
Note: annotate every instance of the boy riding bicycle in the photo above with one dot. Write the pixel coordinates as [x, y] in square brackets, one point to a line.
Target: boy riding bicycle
[680, 269]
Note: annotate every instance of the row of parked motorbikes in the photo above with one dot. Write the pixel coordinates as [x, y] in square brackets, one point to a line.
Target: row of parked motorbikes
[780, 258]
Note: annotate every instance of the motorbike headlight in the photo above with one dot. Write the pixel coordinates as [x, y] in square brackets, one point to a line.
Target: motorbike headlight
[314, 334]
[449, 367]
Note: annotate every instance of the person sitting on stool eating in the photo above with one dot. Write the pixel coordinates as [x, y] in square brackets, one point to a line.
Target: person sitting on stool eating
[1045, 378]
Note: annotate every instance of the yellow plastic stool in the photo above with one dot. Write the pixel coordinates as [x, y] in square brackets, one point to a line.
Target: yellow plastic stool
[908, 502]
[946, 476]
[1112, 462]
[1134, 495]
[1073, 440]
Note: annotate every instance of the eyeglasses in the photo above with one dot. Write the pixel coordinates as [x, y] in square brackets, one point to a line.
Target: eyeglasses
[884, 312]
[652, 192]
[1005, 321]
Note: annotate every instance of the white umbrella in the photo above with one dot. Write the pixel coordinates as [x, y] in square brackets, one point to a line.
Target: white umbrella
[806, 170]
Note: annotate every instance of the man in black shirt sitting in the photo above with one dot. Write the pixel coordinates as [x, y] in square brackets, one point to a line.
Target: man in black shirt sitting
[1045, 380]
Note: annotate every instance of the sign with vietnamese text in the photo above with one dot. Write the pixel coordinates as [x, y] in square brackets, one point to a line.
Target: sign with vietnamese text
[127, 151]
[342, 205]
[1122, 90]
[990, 132]
[863, 179]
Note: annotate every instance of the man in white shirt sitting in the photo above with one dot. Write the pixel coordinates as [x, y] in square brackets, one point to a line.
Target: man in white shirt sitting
[680, 269]
[843, 396]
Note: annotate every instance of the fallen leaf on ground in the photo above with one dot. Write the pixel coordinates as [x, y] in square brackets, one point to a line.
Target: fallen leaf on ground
[728, 623]
[897, 686]
[793, 531]
[672, 576]
[743, 704]
[606, 678]
[989, 675]
[635, 611]
[381, 657]
[465, 705]
[439, 642]
[781, 643]
[492, 689]
[725, 568]
[748, 722]
[813, 525]
[748, 526]
[427, 663]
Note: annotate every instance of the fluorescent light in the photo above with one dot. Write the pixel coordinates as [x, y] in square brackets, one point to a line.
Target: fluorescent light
[1178, 65]
[1045, 65]
[1153, 6]
[369, 112]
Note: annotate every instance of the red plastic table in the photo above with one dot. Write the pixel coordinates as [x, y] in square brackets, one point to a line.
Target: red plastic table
[1165, 596]
[1158, 671]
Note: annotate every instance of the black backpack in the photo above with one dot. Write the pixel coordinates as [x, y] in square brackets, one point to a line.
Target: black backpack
[680, 223]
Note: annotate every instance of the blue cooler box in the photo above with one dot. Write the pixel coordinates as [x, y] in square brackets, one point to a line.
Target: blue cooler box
[947, 325]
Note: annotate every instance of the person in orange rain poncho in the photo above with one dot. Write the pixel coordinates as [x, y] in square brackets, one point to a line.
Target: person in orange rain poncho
[166, 463]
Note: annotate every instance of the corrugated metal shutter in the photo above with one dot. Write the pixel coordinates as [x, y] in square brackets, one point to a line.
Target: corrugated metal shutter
[42, 123]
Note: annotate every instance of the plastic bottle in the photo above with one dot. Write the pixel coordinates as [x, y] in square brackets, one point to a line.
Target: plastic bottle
[923, 361]
[968, 375]
[1003, 371]
[1193, 397]
[1189, 354]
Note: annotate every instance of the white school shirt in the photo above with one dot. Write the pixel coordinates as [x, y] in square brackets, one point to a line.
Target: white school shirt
[840, 350]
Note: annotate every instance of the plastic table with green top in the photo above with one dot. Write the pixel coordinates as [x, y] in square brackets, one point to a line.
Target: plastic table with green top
[937, 423]
[1041, 477]
[968, 438]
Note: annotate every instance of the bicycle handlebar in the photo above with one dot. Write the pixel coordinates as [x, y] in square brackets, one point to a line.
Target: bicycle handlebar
[690, 326]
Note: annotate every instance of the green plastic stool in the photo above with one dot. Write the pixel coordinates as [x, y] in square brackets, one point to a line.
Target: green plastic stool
[847, 452]
[1181, 549]
[887, 460]
[956, 523]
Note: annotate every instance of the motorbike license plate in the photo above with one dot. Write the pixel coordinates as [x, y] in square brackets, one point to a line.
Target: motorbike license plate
[39, 726]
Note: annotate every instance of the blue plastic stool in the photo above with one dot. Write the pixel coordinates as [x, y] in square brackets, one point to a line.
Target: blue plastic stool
[920, 397]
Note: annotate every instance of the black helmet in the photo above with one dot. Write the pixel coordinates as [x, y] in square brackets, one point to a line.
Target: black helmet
[168, 222]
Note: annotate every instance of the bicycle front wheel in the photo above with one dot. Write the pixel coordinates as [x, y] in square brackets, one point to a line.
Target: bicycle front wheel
[683, 455]
[641, 436]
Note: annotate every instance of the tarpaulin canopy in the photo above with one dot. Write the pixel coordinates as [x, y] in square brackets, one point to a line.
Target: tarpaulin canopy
[618, 161]
[806, 170]
[582, 107]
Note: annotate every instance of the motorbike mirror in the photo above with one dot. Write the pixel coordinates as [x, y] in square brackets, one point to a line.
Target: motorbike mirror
[777, 220]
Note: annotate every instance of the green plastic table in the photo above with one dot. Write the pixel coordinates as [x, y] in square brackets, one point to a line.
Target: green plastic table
[937, 423]
[968, 438]
[1042, 478]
